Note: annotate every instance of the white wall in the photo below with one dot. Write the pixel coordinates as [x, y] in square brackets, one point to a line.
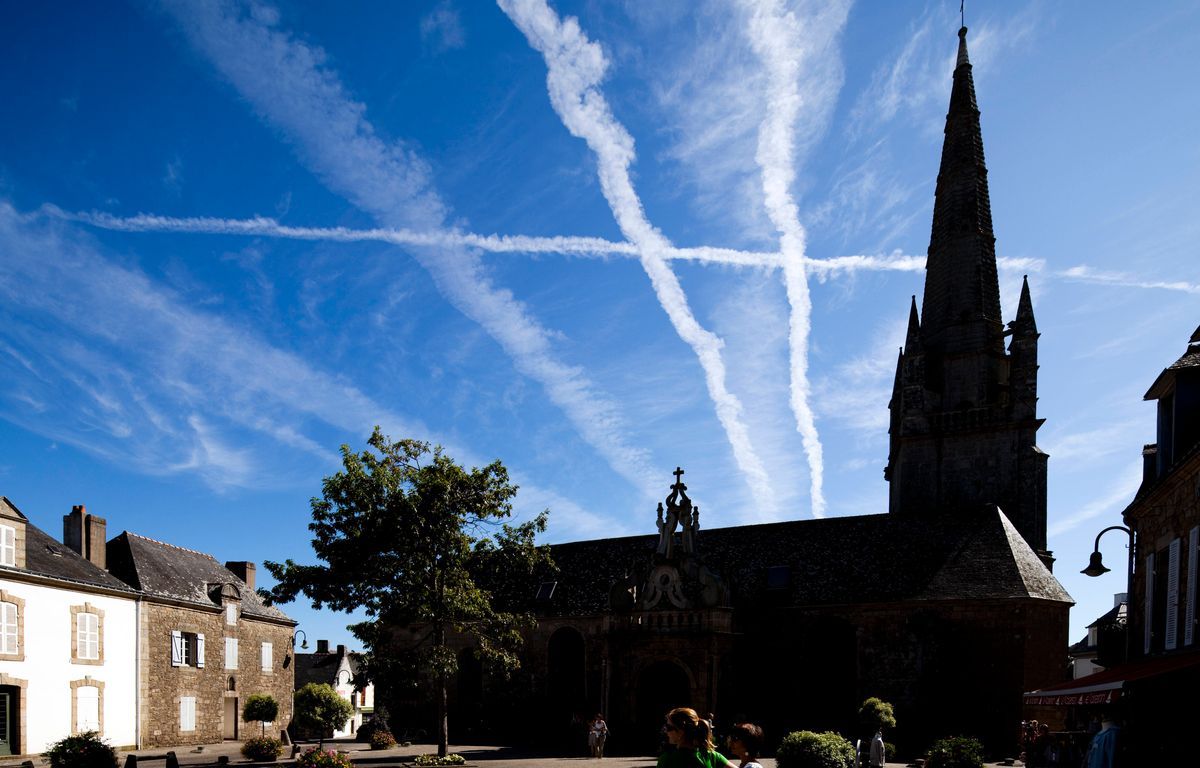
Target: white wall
[48, 629]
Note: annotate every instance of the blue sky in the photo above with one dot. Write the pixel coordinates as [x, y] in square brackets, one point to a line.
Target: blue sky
[594, 240]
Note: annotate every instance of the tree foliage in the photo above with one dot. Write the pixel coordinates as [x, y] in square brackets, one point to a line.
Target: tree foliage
[875, 713]
[805, 749]
[261, 707]
[319, 708]
[415, 540]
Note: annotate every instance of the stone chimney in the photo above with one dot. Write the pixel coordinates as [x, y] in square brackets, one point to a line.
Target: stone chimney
[86, 534]
[341, 650]
[322, 646]
[244, 570]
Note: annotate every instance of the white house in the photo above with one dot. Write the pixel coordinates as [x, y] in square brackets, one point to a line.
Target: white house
[68, 636]
[341, 671]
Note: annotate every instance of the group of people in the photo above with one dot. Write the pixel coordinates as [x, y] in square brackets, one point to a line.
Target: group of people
[690, 743]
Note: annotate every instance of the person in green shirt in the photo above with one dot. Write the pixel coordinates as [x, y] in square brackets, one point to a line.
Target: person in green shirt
[691, 739]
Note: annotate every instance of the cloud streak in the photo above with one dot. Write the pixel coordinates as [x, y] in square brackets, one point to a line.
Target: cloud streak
[289, 85]
[575, 68]
[787, 53]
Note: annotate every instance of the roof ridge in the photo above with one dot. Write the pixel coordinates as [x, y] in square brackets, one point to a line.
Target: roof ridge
[172, 546]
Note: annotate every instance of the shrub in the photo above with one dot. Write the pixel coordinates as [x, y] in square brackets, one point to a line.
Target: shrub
[86, 750]
[889, 752]
[323, 758]
[875, 713]
[805, 749]
[382, 739]
[262, 708]
[956, 752]
[262, 748]
[450, 759]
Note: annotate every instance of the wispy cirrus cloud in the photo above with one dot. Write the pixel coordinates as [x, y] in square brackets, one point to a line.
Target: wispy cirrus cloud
[790, 48]
[575, 68]
[1085, 274]
[442, 29]
[288, 83]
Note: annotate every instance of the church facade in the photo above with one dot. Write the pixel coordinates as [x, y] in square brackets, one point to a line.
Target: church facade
[945, 605]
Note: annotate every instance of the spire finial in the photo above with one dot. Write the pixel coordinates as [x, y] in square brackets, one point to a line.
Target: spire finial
[962, 48]
[962, 16]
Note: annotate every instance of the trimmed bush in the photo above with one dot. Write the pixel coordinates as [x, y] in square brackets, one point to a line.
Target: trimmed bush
[805, 749]
[262, 749]
[262, 708]
[956, 752]
[323, 758]
[86, 750]
[382, 739]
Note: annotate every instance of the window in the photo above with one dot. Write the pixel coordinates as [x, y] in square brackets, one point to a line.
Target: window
[231, 650]
[87, 636]
[187, 713]
[230, 614]
[187, 649]
[267, 650]
[12, 627]
[8, 545]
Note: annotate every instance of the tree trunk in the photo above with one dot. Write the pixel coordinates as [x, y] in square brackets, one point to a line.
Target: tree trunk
[443, 722]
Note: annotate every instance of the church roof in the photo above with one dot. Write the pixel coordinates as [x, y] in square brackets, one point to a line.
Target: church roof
[832, 561]
[174, 573]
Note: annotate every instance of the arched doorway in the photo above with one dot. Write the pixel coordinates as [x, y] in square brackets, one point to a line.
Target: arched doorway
[566, 688]
[662, 686]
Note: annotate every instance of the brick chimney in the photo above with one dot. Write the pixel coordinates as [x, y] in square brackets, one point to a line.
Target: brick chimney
[341, 650]
[322, 646]
[86, 534]
[244, 570]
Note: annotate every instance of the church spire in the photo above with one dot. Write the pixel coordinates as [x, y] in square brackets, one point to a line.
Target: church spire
[912, 339]
[1024, 322]
[961, 310]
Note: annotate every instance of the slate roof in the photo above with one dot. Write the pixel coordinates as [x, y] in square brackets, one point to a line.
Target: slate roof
[320, 668]
[1165, 381]
[45, 556]
[833, 561]
[166, 571]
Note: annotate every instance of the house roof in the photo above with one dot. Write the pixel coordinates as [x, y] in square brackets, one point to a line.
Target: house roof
[863, 559]
[321, 668]
[44, 556]
[167, 571]
[1165, 383]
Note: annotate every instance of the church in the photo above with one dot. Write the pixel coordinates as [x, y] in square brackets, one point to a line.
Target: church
[944, 605]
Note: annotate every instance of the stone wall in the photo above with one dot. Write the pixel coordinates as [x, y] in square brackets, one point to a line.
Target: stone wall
[163, 685]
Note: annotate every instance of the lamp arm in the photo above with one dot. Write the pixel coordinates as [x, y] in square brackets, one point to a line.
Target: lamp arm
[1096, 548]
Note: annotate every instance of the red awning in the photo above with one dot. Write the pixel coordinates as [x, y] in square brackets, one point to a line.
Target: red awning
[1105, 687]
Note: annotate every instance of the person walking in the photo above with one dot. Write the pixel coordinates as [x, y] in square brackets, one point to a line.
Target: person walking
[597, 735]
[878, 750]
[744, 741]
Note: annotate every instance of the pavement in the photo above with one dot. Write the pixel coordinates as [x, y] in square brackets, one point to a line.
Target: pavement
[361, 754]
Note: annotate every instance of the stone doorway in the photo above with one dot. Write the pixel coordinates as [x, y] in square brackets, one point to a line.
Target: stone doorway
[662, 686]
[10, 696]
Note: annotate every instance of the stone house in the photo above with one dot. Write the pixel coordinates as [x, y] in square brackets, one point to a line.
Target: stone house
[68, 636]
[1163, 646]
[340, 670]
[205, 642]
[944, 606]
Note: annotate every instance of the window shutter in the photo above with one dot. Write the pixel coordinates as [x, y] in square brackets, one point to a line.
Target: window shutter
[200, 651]
[231, 653]
[1148, 610]
[8, 628]
[1189, 626]
[266, 656]
[1172, 622]
[87, 708]
[176, 648]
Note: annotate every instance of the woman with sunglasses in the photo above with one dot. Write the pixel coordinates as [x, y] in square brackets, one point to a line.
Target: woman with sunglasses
[691, 738]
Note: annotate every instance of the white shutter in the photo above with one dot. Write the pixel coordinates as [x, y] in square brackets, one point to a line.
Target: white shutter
[231, 653]
[266, 657]
[176, 648]
[1172, 630]
[1189, 626]
[200, 651]
[187, 713]
[8, 628]
[8, 545]
[87, 635]
[1148, 610]
[87, 708]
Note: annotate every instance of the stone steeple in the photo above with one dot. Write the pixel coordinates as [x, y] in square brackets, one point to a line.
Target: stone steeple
[964, 411]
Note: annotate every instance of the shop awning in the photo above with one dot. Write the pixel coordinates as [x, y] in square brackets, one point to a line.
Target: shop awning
[1106, 686]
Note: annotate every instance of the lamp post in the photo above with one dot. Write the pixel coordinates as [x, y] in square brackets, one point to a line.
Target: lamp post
[1096, 568]
[303, 643]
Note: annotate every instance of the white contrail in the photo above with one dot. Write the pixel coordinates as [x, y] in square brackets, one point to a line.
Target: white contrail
[776, 36]
[1084, 274]
[575, 67]
[288, 83]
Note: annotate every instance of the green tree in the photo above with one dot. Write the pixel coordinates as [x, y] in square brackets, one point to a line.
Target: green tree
[320, 708]
[873, 714]
[261, 707]
[414, 539]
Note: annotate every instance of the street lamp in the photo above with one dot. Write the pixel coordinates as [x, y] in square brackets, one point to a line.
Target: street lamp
[1096, 568]
[303, 643]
